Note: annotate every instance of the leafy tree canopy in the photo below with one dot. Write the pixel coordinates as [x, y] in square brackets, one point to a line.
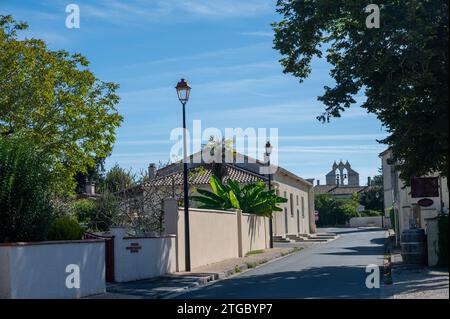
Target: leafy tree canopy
[373, 197]
[52, 97]
[118, 179]
[402, 67]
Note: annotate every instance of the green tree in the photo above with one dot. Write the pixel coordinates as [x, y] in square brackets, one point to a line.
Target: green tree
[95, 174]
[372, 198]
[402, 67]
[326, 205]
[118, 179]
[26, 185]
[52, 97]
[99, 214]
[335, 211]
[65, 228]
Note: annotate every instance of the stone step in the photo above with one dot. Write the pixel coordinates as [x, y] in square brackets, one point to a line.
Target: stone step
[280, 239]
[325, 234]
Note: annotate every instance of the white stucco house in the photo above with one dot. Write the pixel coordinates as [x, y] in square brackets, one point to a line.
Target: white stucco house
[411, 209]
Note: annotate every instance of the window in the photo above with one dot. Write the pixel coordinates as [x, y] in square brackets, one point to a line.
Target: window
[291, 201]
[303, 207]
[297, 199]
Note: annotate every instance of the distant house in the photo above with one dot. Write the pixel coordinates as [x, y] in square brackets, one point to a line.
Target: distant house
[297, 217]
[338, 191]
[298, 213]
[341, 182]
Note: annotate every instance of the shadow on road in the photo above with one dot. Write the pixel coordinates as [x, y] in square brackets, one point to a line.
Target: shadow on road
[320, 282]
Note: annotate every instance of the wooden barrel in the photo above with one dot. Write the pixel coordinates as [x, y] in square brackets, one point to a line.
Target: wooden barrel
[413, 246]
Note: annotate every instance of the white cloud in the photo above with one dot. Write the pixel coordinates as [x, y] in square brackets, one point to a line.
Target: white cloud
[134, 11]
[334, 149]
[337, 137]
[258, 34]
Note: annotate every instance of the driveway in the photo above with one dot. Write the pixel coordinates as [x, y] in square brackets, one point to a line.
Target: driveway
[332, 270]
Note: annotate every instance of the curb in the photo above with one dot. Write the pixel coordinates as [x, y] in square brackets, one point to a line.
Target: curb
[216, 277]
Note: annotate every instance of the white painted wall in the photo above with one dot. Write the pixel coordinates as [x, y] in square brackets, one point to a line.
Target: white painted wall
[156, 257]
[432, 228]
[370, 221]
[38, 270]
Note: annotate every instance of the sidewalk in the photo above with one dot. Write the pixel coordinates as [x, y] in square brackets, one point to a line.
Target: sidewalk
[168, 285]
[416, 281]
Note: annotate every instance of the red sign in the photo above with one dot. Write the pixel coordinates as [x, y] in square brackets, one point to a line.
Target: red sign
[424, 187]
[425, 202]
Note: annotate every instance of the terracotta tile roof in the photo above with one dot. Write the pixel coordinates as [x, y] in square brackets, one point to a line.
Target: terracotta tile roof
[203, 178]
[335, 190]
[343, 190]
[323, 189]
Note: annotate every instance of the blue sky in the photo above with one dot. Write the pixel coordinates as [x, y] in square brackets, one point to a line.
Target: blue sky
[224, 49]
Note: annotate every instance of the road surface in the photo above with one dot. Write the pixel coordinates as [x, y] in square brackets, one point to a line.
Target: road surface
[333, 270]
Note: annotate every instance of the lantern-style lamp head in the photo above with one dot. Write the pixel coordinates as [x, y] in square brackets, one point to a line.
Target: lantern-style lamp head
[268, 148]
[183, 90]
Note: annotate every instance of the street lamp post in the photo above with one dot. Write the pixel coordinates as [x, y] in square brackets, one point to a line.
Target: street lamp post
[268, 152]
[183, 91]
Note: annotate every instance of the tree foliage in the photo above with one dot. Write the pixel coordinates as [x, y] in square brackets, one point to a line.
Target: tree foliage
[52, 97]
[335, 211]
[372, 198]
[99, 214]
[26, 185]
[118, 179]
[402, 67]
[65, 228]
[252, 198]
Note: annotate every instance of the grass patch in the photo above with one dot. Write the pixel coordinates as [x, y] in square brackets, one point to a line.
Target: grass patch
[237, 269]
[296, 249]
[293, 250]
[251, 265]
[254, 252]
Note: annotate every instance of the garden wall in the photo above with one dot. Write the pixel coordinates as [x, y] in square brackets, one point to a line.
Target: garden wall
[38, 269]
[371, 221]
[142, 257]
[215, 235]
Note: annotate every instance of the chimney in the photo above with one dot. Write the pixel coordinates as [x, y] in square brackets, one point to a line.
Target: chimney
[318, 182]
[151, 171]
[369, 181]
[90, 188]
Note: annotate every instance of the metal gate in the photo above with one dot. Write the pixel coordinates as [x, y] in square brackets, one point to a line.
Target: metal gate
[109, 254]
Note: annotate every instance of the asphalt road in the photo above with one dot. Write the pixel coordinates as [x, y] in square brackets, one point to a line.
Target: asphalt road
[333, 270]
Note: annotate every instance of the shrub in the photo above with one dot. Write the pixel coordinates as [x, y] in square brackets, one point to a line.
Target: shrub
[65, 228]
[99, 214]
[25, 190]
[370, 213]
[85, 211]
